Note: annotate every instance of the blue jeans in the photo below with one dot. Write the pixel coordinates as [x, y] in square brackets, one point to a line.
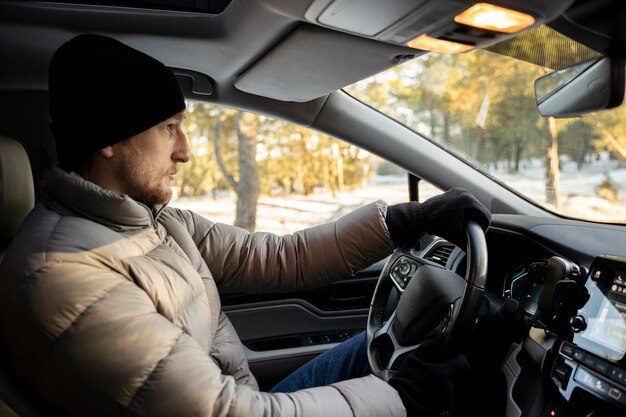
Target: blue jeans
[345, 361]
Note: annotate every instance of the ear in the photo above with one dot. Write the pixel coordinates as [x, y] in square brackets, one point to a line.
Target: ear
[106, 152]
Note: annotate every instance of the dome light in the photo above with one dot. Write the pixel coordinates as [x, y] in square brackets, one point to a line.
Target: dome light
[427, 43]
[498, 19]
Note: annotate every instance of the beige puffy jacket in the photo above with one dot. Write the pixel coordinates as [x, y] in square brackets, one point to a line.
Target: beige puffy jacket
[110, 308]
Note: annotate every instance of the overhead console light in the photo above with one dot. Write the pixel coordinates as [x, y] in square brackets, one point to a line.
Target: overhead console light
[467, 22]
[428, 43]
[498, 19]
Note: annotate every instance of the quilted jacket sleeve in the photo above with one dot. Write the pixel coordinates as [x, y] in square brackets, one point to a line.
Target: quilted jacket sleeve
[243, 261]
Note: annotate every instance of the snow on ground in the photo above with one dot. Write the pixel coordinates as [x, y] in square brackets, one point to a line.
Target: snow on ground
[282, 215]
[577, 188]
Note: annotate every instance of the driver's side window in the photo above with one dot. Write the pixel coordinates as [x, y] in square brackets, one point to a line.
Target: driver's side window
[270, 175]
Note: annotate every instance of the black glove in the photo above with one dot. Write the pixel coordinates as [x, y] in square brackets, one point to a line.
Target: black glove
[426, 383]
[443, 215]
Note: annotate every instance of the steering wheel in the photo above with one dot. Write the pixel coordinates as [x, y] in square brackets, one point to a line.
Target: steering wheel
[430, 295]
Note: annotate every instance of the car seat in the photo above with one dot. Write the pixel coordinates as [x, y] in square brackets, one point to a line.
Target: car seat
[17, 198]
[17, 192]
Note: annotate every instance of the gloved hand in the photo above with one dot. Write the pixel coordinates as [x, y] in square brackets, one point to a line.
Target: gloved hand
[443, 215]
[426, 382]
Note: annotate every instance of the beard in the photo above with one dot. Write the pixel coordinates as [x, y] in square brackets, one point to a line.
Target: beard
[144, 183]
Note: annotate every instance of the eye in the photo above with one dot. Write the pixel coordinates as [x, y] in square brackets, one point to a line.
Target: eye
[171, 127]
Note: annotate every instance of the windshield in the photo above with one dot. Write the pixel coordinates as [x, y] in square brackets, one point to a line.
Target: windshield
[481, 106]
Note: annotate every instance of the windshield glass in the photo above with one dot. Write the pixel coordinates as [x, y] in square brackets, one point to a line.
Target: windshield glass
[481, 106]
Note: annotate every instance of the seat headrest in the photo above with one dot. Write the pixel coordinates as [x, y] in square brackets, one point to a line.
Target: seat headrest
[17, 192]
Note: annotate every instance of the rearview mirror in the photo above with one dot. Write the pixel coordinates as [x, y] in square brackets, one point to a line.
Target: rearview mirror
[590, 86]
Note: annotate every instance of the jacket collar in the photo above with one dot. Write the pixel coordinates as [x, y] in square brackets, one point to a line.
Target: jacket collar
[71, 193]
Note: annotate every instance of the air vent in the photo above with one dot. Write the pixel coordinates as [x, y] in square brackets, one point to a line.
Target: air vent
[441, 254]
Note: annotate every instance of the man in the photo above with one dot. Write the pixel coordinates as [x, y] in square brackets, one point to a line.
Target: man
[109, 298]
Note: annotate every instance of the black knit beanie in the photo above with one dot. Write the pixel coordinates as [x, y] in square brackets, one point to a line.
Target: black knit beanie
[101, 92]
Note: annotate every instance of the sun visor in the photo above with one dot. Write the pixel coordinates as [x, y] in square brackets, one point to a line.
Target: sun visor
[313, 61]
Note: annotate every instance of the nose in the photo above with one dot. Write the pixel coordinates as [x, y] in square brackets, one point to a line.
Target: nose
[181, 151]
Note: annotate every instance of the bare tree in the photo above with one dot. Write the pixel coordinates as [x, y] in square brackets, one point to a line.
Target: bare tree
[247, 185]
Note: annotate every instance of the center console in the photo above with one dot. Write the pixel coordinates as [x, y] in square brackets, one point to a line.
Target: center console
[573, 361]
[594, 360]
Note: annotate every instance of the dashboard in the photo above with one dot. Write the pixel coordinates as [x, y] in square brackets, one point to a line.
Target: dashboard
[545, 266]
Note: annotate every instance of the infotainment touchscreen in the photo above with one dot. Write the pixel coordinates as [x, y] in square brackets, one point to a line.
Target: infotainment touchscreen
[605, 312]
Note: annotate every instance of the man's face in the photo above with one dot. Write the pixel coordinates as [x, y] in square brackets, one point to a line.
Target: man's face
[147, 162]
